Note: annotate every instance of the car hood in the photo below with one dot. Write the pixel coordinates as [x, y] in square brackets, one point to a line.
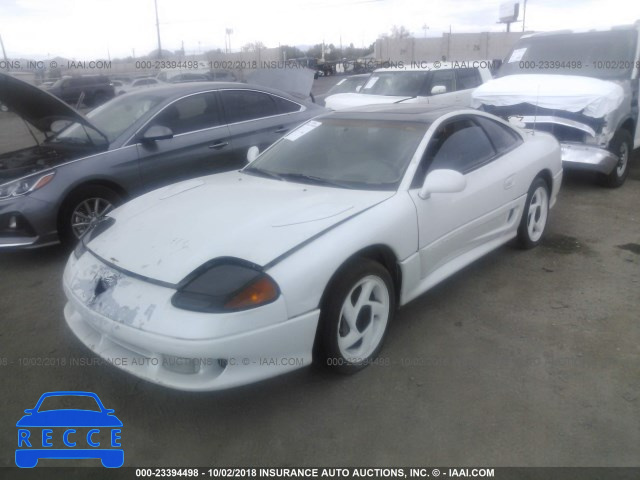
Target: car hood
[341, 101]
[69, 418]
[591, 96]
[35, 105]
[166, 234]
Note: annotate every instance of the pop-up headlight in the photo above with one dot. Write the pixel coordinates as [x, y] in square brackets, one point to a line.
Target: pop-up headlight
[225, 285]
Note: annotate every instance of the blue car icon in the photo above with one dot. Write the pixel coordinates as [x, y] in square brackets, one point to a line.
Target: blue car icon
[69, 425]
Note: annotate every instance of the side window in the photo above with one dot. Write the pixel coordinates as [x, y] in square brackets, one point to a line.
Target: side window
[467, 78]
[195, 112]
[241, 105]
[285, 106]
[459, 145]
[501, 136]
[443, 78]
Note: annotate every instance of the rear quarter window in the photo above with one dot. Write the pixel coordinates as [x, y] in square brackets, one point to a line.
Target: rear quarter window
[502, 137]
[468, 78]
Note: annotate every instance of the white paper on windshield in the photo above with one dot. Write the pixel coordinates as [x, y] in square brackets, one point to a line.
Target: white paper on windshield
[372, 81]
[517, 55]
[303, 130]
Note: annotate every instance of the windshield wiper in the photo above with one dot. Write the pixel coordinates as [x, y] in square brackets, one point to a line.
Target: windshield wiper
[313, 179]
[262, 173]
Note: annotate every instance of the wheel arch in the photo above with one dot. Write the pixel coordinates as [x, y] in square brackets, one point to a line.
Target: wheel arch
[110, 184]
[384, 255]
[628, 125]
[547, 177]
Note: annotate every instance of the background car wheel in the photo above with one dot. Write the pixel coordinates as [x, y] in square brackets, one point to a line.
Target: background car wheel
[534, 217]
[83, 208]
[622, 145]
[355, 315]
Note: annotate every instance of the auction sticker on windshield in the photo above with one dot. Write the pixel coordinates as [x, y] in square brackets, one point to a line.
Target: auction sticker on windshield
[304, 129]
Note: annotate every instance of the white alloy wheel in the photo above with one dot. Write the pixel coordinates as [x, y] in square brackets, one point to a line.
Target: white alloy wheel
[537, 213]
[363, 319]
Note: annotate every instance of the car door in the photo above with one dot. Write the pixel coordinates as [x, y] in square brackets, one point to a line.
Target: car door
[467, 79]
[457, 226]
[257, 118]
[443, 79]
[200, 144]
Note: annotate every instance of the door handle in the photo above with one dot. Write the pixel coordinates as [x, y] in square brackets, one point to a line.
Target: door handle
[281, 130]
[218, 145]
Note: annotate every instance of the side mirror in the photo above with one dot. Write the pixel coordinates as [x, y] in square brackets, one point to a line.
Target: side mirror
[29, 410]
[438, 89]
[252, 153]
[157, 132]
[442, 181]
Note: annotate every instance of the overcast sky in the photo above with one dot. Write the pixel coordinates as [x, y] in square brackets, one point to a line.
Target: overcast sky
[85, 29]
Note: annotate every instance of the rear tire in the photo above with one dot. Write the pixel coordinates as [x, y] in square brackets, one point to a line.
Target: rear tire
[83, 208]
[535, 215]
[356, 312]
[622, 146]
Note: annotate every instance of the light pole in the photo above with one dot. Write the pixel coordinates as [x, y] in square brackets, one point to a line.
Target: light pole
[158, 30]
[229, 32]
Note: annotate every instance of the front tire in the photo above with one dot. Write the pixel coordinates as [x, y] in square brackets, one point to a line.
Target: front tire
[535, 215]
[621, 145]
[83, 208]
[355, 315]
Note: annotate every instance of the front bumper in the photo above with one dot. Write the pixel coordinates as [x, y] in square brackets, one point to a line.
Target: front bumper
[180, 349]
[27, 222]
[578, 156]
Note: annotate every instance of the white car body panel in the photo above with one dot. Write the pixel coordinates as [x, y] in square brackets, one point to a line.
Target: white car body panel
[301, 235]
[572, 93]
[284, 213]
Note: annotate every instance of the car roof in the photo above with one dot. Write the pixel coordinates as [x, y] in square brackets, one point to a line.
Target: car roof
[425, 67]
[634, 26]
[409, 112]
[177, 90]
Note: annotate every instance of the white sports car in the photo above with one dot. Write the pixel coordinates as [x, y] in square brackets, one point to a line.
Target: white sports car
[306, 252]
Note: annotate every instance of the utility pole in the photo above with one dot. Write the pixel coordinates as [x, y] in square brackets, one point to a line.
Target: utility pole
[4, 54]
[158, 30]
[524, 14]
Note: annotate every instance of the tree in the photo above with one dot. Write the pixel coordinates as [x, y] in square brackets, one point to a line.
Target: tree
[398, 32]
[254, 46]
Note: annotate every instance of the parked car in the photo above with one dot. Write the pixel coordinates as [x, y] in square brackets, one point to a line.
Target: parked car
[95, 89]
[137, 84]
[189, 77]
[232, 278]
[222, 76]
[437, 83]
[132, 144]
[582, 87]
[350, 84]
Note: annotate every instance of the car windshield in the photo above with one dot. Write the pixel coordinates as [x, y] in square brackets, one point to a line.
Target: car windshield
[112, 118]
[347, 85]
[69, 402]
[345, 153]
[402, 84]
[604, 55]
